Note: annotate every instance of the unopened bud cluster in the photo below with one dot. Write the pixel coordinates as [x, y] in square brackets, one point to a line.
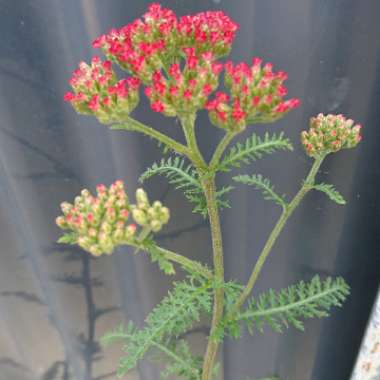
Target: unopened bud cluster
[330, 133]
[152, 216]
[256, 95]
[97, 92]
[99, 222]
[184, 91]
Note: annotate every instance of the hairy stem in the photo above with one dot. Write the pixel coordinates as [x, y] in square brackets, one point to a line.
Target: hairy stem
[195, 156]
[227, 138]
[288, 211]
[182, 260]
[212, 348]
[134, 125]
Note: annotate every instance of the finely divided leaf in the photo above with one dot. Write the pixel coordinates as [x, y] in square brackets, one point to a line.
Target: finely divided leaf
[185, 177]
[174, 315]
[264, 185]
[252, 149]
[330, 191]
[291, 306]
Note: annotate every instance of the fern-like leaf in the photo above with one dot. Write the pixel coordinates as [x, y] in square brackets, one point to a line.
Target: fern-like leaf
[264, 185]
[291, 306]
[170, 318]
[252, 149]
[185, 177]
[178, 358]
[180, 362]
[330, 191]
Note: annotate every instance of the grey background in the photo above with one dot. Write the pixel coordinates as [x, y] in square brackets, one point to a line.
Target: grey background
[55, 302]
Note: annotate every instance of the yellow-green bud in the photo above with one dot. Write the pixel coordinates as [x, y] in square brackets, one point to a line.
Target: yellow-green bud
[155, 225]
[142, 198]
[139, 216]
[165, 215]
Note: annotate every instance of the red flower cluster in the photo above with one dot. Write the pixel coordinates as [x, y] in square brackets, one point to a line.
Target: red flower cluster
[330, 133]
[256, 96]
[143, 46]
[177, 60]
[146, 46]
[207, 32]
[184, 91]
[97, 92]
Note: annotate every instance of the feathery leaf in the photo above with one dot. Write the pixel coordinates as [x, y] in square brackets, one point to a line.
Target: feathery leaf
[252, 149]
[178, 357]
[264, 185]
[330, 191]
[292, 305]
[185, 177]
[170, 318]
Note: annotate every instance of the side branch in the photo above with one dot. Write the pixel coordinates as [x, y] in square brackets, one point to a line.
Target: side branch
[134, 125]
[288, 211]
[227, 138]
[185, 262]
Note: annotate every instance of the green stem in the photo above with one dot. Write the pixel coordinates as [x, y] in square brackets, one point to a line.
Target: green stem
[227, 138]
[212, 347]
[288, 211]
[188, 125]
[134, 125]
[185, 262]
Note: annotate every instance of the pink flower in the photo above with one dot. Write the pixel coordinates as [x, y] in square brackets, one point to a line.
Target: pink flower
[157, 106]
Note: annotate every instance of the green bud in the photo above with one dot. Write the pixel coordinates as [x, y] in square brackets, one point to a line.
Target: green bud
[165, 215]
[95, 250]
[155, 225]
[142, 198]
[139, 216]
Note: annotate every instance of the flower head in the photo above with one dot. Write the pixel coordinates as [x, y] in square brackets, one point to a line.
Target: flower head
[184, 90]
[99, 223]
[330, 133]
[256, 95]
[207, 32]
[143, 46]
[97, 92]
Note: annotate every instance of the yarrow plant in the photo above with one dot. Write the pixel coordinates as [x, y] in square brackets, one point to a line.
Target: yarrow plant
[177, 62]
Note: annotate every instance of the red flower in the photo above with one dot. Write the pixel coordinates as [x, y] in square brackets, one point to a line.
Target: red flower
[157, 106]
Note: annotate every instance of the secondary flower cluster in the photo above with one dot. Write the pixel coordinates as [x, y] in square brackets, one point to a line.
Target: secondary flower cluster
[207, 32]
[256, 96]
[100, 223]
[97, 92]
[186, 90]
[330, 133]
[156, 41]
[150, 216]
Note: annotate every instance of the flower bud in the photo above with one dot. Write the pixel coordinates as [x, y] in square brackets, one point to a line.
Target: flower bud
[130, 231]
[164, 215]
[155, 225]
[142, 198]
[139, 216]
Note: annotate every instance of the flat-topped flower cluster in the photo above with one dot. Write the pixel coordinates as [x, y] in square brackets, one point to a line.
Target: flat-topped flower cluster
[177, 61]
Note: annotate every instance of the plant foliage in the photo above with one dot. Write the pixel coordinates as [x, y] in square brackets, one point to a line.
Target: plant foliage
[330, 191]
[174, 315]
[252, 149]
[185, 177]
[291, 306]
[264, 185]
